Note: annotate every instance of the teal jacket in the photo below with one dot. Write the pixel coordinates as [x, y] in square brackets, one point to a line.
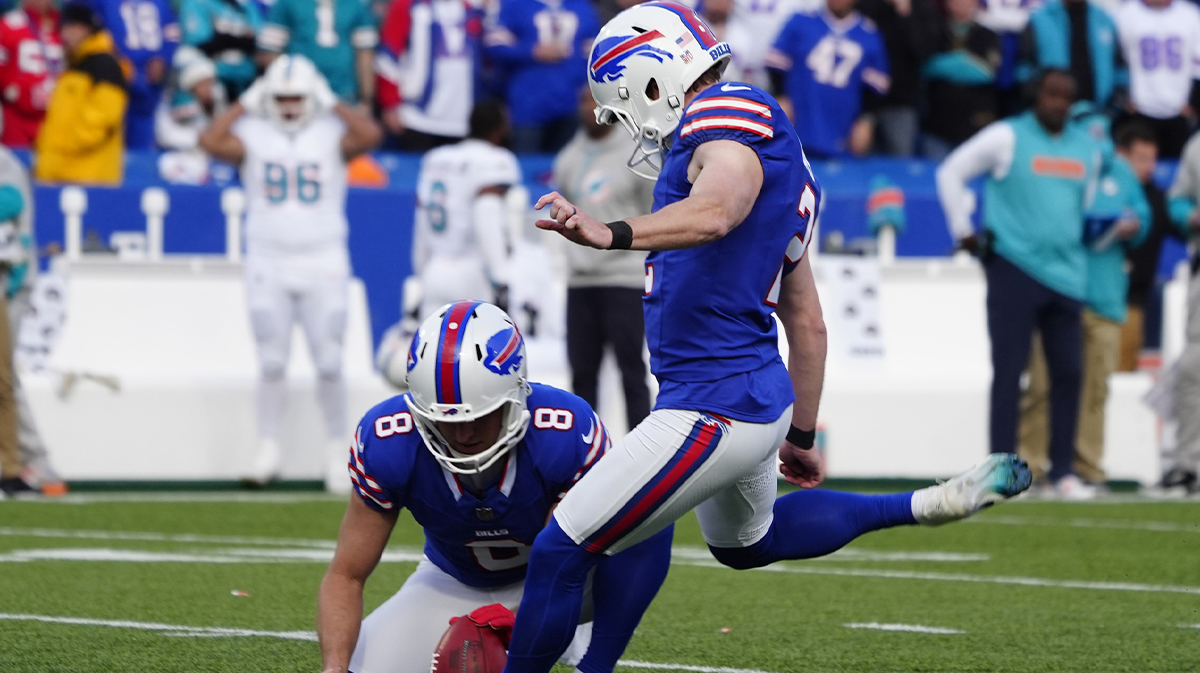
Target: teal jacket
[1036, 211]
[1119, 194]
[1051, 27]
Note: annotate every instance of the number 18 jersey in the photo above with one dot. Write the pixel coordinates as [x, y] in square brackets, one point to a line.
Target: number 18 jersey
[295, 185]
[713, 341]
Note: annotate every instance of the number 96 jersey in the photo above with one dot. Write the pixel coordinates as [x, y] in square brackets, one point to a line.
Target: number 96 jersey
[481, 540]
[295, 185]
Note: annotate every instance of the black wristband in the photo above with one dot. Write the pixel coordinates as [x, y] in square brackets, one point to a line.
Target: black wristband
[801, 438]
[622, 235]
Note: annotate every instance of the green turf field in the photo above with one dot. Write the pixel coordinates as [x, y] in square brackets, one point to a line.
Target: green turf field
[130, 582]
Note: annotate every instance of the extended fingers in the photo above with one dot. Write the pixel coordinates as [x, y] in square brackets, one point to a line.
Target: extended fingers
[547, 198]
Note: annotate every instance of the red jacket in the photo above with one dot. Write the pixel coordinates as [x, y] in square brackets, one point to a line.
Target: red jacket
[31, 58]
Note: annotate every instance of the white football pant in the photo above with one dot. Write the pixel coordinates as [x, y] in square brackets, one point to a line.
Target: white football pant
[672, 462]
[311, 289]
[450, 279]
[401, 635]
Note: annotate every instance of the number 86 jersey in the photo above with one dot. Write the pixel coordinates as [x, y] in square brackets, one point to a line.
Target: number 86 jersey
[480, 539]
[295, 185]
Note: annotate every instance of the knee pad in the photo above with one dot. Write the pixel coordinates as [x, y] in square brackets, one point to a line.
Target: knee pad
[742, 558]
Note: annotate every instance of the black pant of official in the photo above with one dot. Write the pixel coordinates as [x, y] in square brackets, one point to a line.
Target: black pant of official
[597, 316]
[1016, 305]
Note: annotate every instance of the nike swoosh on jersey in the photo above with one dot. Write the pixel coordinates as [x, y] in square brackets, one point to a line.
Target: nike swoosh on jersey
[590, 434]
[734, 87]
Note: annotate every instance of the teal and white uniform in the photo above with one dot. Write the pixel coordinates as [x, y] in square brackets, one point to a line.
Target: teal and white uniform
[326, 31]
[1039, 187]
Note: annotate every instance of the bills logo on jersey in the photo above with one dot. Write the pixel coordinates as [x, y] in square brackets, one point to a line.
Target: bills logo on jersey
[504, 351]
[609, 55]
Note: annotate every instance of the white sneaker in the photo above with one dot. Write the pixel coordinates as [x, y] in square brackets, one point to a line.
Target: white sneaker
[1001, 476]
[267, 464]
[1072, 487]
[337, 468]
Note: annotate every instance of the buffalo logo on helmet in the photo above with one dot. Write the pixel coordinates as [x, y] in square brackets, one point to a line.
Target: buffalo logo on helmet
[412, 352]
[609, 55]
[504, 351]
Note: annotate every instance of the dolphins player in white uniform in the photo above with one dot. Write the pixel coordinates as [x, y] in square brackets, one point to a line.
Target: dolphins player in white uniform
[460, 245]
[292, 140]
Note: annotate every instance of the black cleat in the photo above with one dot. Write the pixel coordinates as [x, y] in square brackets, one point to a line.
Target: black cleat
[1177, 477]
[16, 487]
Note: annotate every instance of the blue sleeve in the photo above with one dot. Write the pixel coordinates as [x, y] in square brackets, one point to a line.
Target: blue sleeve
[733, 112]
[589, 25]
[378, 471]
[170, 31]
[876, 73]
[503, 41]
[781, 55]
[11, 202]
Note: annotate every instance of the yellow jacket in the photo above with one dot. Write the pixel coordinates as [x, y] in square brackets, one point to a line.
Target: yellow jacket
[83, 137]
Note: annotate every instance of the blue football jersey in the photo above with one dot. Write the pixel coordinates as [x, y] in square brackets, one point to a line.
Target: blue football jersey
[539, 92]
[713, 342]
[482, 541]
[827, 62]
[142, 30]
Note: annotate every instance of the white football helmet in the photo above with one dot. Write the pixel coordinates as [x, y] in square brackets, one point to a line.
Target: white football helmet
[466, 361]
[664, 43]
[291, 76]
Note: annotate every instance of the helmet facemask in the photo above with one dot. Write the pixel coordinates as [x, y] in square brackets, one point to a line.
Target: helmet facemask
[650, 116]
[513, 424]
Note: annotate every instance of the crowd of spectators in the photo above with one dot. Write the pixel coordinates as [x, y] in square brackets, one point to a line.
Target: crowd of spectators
[893, 77]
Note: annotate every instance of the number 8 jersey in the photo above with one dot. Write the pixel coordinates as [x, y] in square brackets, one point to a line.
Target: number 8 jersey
[295, 185]
[480, 539]
[713, 341]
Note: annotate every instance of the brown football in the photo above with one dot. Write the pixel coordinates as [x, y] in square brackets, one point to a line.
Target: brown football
[467, 647]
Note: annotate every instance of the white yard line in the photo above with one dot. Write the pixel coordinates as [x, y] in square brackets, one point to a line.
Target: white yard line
[222, 632]
[152, 626]
[1106, 524]
[909, 628]
[974, 579]
[187, 497]
[8, 531]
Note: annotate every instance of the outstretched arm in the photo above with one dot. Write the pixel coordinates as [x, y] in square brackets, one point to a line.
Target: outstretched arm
[804, 326]
[362, 133]
[363, 535]
[218, 139]
[726, 178]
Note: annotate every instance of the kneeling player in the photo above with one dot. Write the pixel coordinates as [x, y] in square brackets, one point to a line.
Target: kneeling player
[480, 458]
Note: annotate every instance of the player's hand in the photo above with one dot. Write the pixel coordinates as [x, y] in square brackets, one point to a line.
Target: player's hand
[323, 96]
[803, 467]
[393, 122]
[156, 70]
[496, 617]
[253, 98]
[574, 225]
[549, 52]
[1127, 228]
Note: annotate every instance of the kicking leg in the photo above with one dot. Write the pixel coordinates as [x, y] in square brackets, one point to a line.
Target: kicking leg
[746, 526]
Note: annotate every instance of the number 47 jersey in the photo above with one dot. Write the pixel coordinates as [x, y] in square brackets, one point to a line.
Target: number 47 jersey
[295, 185]
[713, 342]
[483, 539]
